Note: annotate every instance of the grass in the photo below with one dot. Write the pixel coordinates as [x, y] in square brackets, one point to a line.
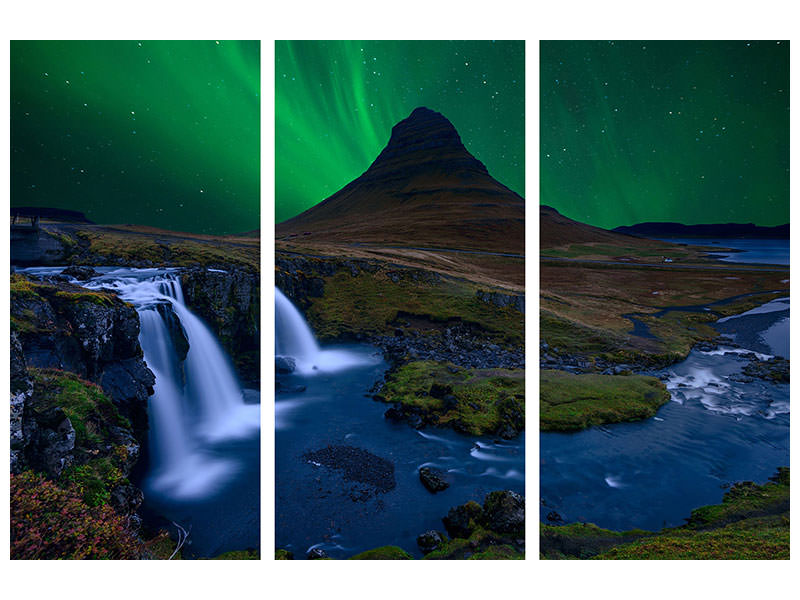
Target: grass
[570, 402]
[582, 306]
[484, 400]
[370, 303]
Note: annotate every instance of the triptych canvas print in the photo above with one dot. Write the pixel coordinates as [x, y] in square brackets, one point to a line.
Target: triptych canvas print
[142, 309]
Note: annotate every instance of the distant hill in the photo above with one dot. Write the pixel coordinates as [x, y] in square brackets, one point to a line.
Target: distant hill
[721, 230]
[424, 189]
[50, 214]
[557, 230]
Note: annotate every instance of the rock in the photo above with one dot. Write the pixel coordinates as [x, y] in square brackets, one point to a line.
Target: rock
[126, 499]
[462, 520]
[430, 541]
[228, 300]
[21, 391]
[433, 479]
[505, 511]
[554, 517]
[281, 388]
[177, 333]
[52, 440]
[81, 273]
[281, 554]
[439, 390]
[317, 553]
[285, 365]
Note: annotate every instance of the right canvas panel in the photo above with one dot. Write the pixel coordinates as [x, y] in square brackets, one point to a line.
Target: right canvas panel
[664, 300]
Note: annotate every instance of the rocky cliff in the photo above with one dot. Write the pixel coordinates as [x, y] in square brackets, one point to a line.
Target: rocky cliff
[79, 390]
[228, 301]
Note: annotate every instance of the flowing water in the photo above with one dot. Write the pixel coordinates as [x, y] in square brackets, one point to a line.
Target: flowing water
[318, 506]
[202, 465]
[718, 428]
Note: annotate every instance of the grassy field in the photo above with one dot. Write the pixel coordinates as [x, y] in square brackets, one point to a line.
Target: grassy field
[583, 305]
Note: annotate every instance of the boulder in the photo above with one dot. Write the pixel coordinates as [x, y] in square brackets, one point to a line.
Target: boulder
[285, 365]
[81, 273]
[430, 540]
[433, 479]
[462, 520]
[504, 511]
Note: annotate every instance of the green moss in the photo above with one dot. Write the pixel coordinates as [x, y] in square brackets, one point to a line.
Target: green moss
[484, 400]
[574, 338]
[22, 287]
[89, 410]
[383, 553]
[98, 298]
[570, 402]
[281, 554]
[502, 552]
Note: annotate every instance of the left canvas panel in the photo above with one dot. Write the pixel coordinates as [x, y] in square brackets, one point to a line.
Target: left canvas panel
[134, 299]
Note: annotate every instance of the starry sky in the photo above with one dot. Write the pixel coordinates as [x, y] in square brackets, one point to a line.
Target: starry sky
[145, 132]
[336, 103]
[693, 132]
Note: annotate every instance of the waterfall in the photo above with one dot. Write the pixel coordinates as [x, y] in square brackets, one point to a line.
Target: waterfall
[294, 339]
[196, 404]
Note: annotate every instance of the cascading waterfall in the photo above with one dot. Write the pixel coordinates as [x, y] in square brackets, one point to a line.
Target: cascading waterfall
[195, 404]
[294, 339]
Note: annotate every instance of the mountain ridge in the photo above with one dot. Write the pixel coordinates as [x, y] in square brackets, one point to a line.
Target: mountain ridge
[423, 189]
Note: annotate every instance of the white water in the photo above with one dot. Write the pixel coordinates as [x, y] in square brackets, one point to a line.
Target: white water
[195, 404]
[294, 339]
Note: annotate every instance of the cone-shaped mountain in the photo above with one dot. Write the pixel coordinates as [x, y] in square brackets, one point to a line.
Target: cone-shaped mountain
[423, 189]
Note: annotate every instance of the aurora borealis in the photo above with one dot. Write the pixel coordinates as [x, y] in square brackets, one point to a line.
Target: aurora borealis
[161, 133]
[336, 103]
[693, 132]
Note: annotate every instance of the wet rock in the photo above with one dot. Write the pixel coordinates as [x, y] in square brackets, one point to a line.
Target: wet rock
[554, 517]
[282, 388]
[430, 541]
[177, 333]
[775, 369]
[21, 391]
[433, 479]
[462, 520]
[317, 553]
[81, 273]
[505, 511]
[285, 365]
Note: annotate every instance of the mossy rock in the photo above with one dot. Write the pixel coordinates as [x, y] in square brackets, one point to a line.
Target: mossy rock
[281, 554]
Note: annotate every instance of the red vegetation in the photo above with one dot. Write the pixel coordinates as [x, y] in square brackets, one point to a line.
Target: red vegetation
[48, 522]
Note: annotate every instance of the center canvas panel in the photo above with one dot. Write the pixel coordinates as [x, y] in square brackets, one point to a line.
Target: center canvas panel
[399, 300]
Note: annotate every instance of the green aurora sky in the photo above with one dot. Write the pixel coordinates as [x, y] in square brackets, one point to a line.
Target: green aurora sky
[336, 103]
[152, 133]
[693, 132]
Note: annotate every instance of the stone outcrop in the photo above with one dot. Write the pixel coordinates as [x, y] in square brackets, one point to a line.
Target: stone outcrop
[229, 302]
[92, 334]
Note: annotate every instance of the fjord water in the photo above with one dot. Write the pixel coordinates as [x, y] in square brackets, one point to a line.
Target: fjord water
[752, 251]
[202, 460]
[715, 431]
[317, 507]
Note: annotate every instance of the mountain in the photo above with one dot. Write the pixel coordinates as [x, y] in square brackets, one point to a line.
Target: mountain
[721, 230]
[424, 189]
[557, 230]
